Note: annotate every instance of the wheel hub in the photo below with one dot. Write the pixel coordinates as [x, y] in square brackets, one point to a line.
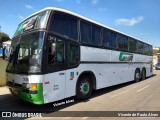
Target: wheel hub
[84, 87]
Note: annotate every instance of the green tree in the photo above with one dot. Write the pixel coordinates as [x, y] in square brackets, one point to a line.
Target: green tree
[3, 37]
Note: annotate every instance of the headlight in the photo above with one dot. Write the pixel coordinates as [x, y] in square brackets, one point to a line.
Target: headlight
[33, 86]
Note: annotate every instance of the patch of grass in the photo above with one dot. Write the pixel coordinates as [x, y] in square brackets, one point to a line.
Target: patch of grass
[3, 65]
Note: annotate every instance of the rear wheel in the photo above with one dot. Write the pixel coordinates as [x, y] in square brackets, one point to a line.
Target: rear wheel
[143, 75]
[137, 75]
[84, 88]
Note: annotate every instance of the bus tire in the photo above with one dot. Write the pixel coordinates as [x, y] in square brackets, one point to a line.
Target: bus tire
[84, 88]
[143, 74]
[137, 75]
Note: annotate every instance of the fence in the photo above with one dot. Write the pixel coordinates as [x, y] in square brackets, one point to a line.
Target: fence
[1, 52]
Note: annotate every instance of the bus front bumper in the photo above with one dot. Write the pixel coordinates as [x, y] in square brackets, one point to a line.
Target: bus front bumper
[35, 97]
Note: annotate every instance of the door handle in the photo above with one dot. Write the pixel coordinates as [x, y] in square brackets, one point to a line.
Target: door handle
[61, 73]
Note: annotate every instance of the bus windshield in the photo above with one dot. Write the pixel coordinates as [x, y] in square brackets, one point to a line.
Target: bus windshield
[38, 21]
[26, 53]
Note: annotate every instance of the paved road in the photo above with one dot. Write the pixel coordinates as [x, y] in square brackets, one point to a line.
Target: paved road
[142, 96]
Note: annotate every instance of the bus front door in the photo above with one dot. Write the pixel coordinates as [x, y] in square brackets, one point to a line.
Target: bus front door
[54, 81]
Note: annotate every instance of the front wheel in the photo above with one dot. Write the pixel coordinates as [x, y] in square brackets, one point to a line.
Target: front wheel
[84, 88]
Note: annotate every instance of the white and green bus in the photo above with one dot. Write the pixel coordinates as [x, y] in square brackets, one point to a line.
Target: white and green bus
[57, 54]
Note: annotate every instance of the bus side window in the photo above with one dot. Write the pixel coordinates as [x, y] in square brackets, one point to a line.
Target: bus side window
[56, 52]
[60, 52]
[132, 45]
[122, 42]
[73, 58]
[106, 38]
[140, 47]
[51, 52]
[85, 31]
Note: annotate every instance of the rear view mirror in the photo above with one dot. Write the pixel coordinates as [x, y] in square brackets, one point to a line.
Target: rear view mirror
[53, 48]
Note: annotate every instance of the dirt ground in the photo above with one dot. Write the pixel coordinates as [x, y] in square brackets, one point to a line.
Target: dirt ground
[3, 65]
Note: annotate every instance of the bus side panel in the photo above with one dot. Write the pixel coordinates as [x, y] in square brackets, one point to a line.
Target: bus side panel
[54, 86]
[112, 74]
[90, 54]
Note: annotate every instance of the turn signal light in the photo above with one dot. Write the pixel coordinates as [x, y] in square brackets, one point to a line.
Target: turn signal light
[34, 87]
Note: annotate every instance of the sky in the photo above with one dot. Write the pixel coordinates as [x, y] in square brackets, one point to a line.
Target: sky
[138, 18]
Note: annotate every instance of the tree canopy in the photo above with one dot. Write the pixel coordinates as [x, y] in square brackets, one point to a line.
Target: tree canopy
[3, 37]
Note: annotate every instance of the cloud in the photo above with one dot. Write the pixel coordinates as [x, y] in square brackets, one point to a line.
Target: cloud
[94, 2]
[20, 17]
[129, 22]
[102, 9]
[28, 6]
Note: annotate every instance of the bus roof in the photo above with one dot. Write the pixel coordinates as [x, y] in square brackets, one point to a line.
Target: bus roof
[82, 17]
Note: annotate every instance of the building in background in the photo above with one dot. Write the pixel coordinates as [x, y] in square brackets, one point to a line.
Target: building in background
[6, 44]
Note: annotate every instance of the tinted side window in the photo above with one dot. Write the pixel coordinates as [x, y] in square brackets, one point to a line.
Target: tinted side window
[106, 38]
[113, 39]
[56, 52]
[140, 47]
[56, 61]
[146, 49]
[73, 58]
[132, 45]
[85, 29]
[65, 25]
[122, 42]
[150, 50]
[96, 35]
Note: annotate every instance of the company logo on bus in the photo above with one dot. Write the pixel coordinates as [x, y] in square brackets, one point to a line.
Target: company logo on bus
[127, 57]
